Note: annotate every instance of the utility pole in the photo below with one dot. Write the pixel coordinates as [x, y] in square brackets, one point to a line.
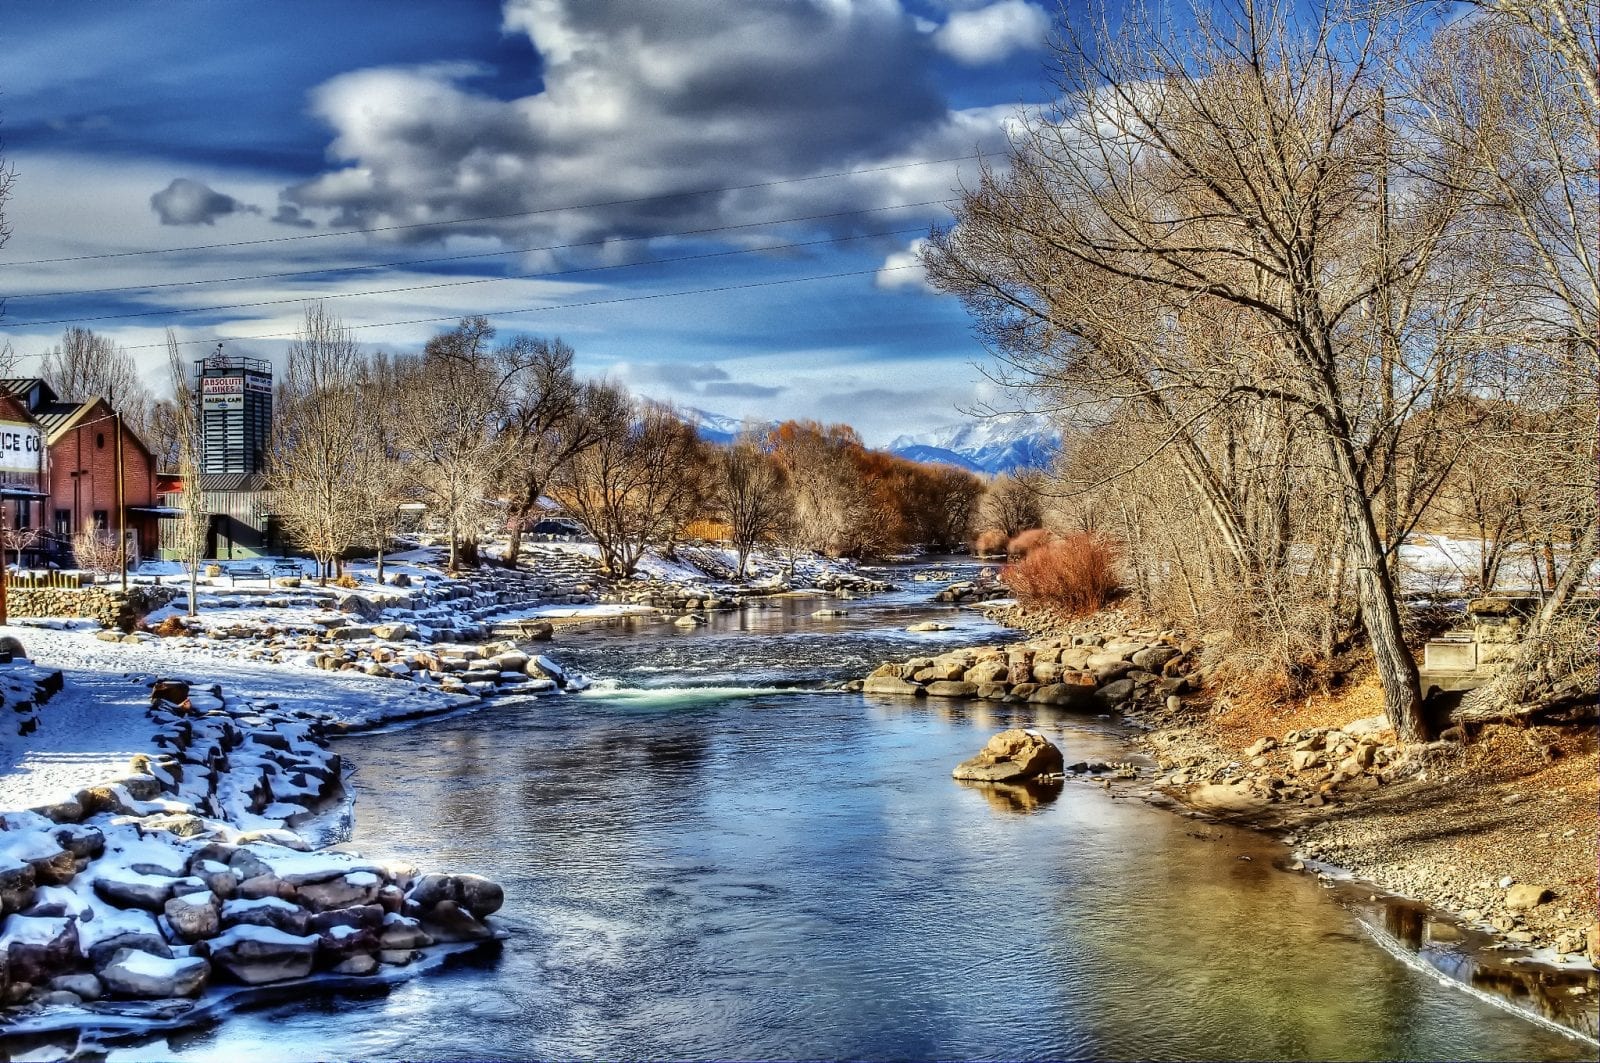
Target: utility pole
[122, 509]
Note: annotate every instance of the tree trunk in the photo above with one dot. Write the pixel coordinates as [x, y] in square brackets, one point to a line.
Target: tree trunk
[1380, 611]
[380, 560]
[514, 545]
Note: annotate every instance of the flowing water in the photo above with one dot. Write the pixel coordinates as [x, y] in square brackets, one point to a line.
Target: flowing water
[711, 856]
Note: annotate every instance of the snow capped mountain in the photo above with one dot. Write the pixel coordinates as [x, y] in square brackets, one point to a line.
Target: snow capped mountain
[1003, 443]
[713, 427]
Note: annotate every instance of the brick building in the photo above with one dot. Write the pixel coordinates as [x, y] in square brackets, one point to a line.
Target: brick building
[75, 485]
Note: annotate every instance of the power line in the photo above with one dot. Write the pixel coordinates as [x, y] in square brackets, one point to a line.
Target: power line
[444, 224]
[558, 306]
[464, 283]
[320, 271]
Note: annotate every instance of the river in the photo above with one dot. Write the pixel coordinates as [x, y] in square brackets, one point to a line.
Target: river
[710, 856]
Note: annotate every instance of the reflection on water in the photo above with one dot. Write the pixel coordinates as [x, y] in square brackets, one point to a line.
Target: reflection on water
[1017, 797]
[1566, 996]
[767, 875]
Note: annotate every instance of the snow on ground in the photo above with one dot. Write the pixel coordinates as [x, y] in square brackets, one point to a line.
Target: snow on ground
[89, 730]
[1444, 563]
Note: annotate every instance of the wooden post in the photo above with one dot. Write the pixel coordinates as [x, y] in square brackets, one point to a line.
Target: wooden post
[122, 509]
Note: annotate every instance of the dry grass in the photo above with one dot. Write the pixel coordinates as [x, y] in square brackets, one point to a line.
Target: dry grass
[1249, 712]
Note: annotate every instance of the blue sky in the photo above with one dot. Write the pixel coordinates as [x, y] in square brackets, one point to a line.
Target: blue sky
[542, 136]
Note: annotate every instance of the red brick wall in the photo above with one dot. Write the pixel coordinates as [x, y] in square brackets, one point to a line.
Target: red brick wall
[92, 447]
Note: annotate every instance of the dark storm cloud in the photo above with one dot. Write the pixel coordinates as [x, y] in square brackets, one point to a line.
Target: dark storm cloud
[187, 202]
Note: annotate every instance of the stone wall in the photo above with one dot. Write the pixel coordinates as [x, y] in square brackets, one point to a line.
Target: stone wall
[113, 608]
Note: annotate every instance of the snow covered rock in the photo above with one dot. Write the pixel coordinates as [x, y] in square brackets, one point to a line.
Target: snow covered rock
[256, 955]
[194, 916]
[105, 931]
[39, 948]
[271, 912]
[474, 893]
[143, 976]
[127, 888]
[358, 887]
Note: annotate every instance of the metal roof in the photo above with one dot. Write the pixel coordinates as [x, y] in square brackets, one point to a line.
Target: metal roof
[233, 481]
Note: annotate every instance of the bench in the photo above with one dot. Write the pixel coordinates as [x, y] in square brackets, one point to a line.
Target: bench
[239, 572]
[261, 571]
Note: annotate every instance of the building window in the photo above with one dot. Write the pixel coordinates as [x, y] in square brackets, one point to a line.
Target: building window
[99, 441]
[24, 514]
[63, 522]
[102, 520]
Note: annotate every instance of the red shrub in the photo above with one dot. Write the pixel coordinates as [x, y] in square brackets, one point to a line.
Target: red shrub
[1074, 576]
[989, 543]
[1026, 542]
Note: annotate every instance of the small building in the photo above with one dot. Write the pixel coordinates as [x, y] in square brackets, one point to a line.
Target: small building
[22, 479]
[89, 471]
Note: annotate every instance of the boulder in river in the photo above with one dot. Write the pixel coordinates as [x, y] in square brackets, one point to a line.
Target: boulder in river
[1011, 756]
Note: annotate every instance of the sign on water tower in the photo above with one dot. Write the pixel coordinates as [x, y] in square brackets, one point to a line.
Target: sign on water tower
[235, 413]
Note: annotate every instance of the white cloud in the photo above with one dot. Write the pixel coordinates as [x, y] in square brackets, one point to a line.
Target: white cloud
[640, 100]
[903, 269]
[990, 34]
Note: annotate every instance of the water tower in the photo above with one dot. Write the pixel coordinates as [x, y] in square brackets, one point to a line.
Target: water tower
[235, 413]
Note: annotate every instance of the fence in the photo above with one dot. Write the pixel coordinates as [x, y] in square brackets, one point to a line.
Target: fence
[48, 581]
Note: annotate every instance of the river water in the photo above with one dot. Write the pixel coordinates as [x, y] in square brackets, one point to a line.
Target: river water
[708, 856]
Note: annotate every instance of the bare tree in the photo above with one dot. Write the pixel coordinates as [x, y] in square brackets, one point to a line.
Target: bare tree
[95, 549]
[86, 365]
[1207, 224]
[313, 474]
[8, 177]
[450, 430]
[550, 418]
[637, 485]
[751, 492]
[19, 540]
[1013, 503]
[1517, 96]
[190, 525]
[834, 509]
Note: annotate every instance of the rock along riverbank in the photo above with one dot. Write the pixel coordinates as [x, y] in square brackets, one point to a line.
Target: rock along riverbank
[1499, 834]
[158, 897]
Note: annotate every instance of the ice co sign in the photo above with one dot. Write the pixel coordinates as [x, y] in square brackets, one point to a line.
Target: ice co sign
[20, 447]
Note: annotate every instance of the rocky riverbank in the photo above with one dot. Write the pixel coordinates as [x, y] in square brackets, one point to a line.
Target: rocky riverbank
[158, 894]
[456, 635]
[1500, 832]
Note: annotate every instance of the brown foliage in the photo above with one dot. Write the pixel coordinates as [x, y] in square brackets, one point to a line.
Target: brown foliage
[1027, 542]
[1074, 576]
[989, 543]
[171, 627]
